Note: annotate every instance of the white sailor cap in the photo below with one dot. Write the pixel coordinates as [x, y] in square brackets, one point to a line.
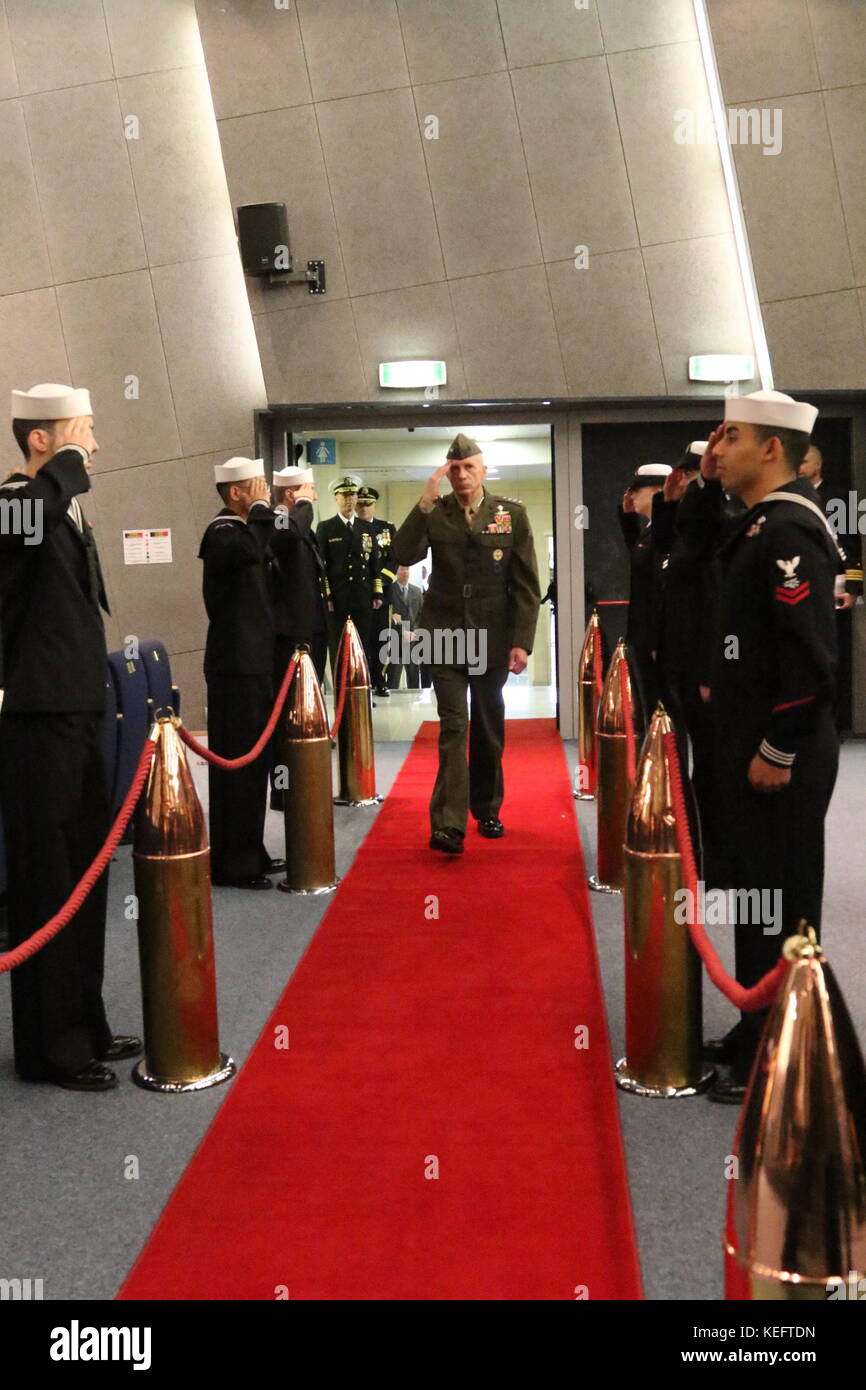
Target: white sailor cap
[238, 470]
[292, 477]
[649, 475]
[51, 401]
[698, 446]
[771, 408]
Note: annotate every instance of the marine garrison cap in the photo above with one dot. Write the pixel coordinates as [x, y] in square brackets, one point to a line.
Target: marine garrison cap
[50, 401]
[462, 447]
[771, 408]
[368, 494]
[348, 483]
[649, 475]
[238, 470]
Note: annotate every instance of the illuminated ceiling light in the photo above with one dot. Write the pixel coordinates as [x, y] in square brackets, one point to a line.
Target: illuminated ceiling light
[412, 374]
[721, 366]
[753, 306]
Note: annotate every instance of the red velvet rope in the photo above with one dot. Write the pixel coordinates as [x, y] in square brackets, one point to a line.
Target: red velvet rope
[597, 664]
[760, 995]
[628, 717]
[341, 682]
[233, 764]
[55, 924]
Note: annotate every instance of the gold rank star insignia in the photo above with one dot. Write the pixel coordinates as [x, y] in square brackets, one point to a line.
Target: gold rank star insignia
[497, 554]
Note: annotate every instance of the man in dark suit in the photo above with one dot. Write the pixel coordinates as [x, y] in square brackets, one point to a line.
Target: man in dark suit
[405, 606]
[354, 582]
[484, 598]
[52, 774]
[385, 531]
[239, 670]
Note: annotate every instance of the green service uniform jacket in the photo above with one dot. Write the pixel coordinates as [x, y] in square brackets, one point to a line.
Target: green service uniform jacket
[484, 576]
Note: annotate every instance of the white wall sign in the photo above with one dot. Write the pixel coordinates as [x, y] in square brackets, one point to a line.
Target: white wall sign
[147, 547]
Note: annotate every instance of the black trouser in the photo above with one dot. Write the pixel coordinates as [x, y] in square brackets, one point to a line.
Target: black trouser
[476, 786]
[56, 815]
[694, 727]
[284, 650]
[775, 842]
[645, 678]
[380, 627]
[237, 711]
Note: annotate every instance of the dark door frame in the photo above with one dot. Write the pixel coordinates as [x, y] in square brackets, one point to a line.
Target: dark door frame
[565, 415]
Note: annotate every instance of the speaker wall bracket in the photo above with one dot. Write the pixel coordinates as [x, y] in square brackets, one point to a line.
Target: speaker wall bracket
[313, 276]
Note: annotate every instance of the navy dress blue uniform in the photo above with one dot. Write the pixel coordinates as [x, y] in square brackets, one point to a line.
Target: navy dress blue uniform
[52, 774]
[239, 670]
[642, 627]
[772, 676]
[354, 580]
[298, 587]
[384, 531]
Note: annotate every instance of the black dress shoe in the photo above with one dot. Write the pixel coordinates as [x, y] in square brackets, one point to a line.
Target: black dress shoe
[449, 840]
[491, 828]
[125, 1045]
[383, 692]
[257, 881]
[276, 866]
[728, 1090]
[94, 1077]
[719, 1050]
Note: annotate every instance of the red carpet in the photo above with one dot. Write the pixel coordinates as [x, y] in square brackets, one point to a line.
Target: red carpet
[416, 1041]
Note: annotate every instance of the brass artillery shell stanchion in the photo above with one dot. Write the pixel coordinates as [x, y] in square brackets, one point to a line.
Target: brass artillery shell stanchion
[796, 1227]
[662, 968]
[307, 808]
[587, 701]
[171, 860]
[614, 788]
[355, 734]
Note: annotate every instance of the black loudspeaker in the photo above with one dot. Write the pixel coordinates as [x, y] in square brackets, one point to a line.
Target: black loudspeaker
[263, 234]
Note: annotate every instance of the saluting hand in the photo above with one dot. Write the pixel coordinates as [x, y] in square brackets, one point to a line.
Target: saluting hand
[259, 491]
[675, 485]
[709, 462]
[430, 495]
[78, 430]
[628, 501]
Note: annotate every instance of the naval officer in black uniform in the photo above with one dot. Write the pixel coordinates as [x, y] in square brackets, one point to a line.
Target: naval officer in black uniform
[484, 589]
[772, 683]
[239, 670]
[385, 531]
[354, 581]
[53, 787]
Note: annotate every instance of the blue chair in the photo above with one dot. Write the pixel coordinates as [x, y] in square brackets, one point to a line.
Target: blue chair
[111, 733]
[130, 680]
[161, 693]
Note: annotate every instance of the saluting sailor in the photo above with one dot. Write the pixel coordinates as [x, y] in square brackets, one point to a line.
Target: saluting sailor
[483, 588]
[53, 788]
[384, 531]
[772, 680]
[354, 581]
[239, 670]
